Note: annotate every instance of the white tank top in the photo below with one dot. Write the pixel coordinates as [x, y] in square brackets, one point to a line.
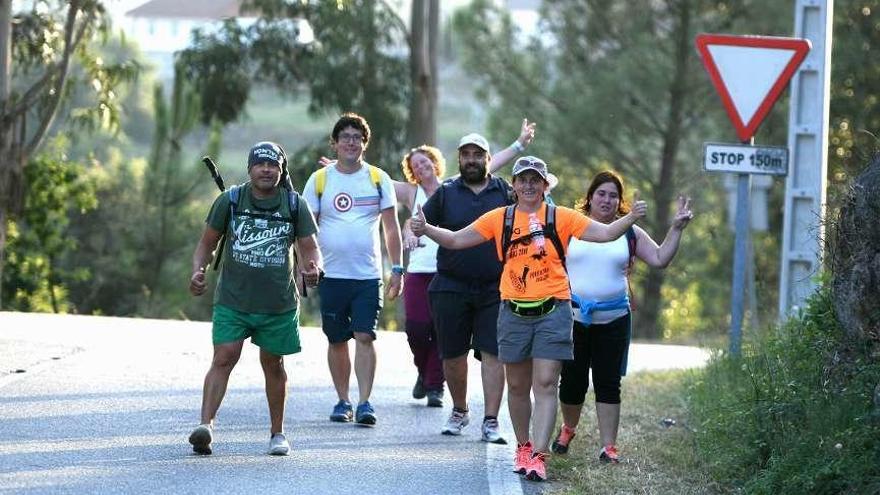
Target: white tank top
[597, 271]
[422, 259]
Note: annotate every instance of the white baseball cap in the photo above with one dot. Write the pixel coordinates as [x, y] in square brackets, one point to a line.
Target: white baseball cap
[475, 139]
[531, 163]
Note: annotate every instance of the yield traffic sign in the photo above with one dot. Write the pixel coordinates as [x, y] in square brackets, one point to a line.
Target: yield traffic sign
[749, 73]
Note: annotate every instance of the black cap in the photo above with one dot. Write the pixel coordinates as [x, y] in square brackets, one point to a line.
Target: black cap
[266, 151]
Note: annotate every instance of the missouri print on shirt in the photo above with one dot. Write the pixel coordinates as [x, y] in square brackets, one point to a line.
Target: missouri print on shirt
[261, 242]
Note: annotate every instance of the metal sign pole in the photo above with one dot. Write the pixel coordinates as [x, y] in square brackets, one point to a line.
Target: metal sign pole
[740, 253]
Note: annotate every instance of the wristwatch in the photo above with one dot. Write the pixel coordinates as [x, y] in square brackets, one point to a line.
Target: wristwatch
[397, 269]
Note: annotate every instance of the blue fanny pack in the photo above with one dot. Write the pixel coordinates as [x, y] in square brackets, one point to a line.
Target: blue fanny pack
[587, 307]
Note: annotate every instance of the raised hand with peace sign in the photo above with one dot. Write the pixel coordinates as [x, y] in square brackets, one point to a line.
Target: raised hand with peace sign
[684, 213]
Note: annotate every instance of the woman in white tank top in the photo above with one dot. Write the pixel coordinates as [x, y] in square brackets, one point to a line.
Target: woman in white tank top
[602, 328]
[423, 167]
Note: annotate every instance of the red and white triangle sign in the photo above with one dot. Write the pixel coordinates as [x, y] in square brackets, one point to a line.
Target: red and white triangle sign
[749, 73]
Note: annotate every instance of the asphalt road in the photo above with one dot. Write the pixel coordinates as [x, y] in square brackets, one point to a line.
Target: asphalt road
[105, 405]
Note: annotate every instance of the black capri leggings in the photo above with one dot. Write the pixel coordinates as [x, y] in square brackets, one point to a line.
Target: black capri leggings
[602, 347]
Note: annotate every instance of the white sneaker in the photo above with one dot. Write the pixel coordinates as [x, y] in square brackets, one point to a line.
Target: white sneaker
[456, 422]
[278, 445]
[201, 439]
[490, 432]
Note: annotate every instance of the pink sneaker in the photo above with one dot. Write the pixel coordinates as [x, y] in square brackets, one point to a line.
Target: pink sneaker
[537, 467]
[523, 456]
[609, 454]
[560, 445]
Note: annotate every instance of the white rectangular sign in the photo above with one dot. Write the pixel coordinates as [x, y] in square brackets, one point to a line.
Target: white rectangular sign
[745, 159]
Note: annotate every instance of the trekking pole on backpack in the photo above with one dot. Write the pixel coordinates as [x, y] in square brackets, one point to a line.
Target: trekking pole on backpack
[215, 174]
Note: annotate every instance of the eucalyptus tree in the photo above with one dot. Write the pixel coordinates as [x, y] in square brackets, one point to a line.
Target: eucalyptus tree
[39, 48]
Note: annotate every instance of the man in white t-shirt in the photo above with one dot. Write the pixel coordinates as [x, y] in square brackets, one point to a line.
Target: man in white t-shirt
[349, 199]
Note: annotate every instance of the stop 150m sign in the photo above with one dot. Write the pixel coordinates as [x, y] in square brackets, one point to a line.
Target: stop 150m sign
[745, 159]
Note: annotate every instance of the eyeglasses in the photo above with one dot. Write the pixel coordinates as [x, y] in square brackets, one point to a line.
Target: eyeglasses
[350, 138]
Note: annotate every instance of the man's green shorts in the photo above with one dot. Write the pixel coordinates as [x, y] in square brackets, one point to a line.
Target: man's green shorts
[274, 333]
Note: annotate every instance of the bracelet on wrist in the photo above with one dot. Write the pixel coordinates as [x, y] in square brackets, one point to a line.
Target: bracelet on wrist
[397, 269]
[518, 147]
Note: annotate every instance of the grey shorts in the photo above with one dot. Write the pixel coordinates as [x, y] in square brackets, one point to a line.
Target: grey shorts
[543, 337]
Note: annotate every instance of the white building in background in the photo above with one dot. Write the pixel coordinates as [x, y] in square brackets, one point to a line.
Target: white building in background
[162, 27]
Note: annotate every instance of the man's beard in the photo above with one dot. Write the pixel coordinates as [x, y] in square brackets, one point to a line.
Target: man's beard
[473, 173]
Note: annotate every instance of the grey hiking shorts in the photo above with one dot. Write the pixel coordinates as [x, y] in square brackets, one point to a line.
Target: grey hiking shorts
[543, 337]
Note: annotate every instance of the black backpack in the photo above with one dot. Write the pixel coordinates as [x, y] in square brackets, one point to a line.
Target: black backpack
[503, 188]
[292, 203]
[550, 233]
[234, 196]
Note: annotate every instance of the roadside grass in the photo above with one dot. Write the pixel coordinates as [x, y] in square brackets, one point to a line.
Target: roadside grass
[655, 459]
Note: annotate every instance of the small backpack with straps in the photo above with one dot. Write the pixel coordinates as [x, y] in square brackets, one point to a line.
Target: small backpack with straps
[503, 188]
[550, 234]
[321, 180]
[292, 202]
[631, 244]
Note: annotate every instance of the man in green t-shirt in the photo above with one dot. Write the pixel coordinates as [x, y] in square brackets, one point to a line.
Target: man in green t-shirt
[256, 295]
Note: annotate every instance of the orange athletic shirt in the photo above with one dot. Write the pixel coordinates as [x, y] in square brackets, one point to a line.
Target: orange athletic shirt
[529, 274]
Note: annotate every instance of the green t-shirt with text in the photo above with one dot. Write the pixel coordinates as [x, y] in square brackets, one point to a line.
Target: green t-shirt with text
[258, 269]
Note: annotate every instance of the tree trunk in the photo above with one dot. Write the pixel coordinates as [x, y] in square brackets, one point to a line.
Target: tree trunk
[6, 129]
[17, 142]
[648, 313]
[424, 33]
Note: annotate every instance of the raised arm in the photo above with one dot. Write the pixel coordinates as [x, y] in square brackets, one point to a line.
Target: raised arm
[526, 134]
[460, 239]
[660, 256]
[600, 232]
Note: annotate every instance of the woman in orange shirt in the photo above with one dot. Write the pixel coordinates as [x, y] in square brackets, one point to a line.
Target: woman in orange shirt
[535, 320]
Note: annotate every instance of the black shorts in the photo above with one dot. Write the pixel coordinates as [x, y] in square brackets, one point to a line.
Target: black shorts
[465, 321]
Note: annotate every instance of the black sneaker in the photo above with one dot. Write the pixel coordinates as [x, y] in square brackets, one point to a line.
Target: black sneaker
[435, 398]
[201, 439]
[419, 391]
[365, 414]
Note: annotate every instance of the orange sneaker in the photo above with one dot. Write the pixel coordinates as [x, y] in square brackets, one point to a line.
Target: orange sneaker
[523, 456]
[609, 454]
[537, 467]
[560, 445]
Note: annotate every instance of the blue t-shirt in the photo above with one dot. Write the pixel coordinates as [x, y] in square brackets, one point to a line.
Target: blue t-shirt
[454, 206]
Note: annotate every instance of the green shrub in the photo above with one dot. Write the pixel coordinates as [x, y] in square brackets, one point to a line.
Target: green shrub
[795, 413]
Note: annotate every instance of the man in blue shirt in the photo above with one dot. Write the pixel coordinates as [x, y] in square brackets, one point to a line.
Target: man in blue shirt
[464, 293]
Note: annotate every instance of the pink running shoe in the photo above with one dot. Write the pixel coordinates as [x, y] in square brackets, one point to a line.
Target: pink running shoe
[537, 467]
[609, 454]
[523, 456]
[560, 445]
